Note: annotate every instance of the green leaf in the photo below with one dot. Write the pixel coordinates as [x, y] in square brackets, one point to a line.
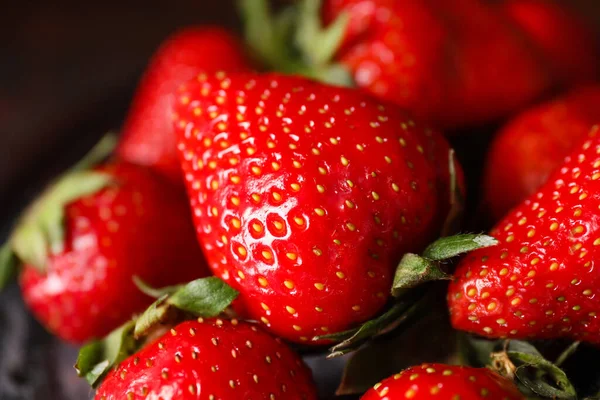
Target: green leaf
[157, 293]
[205, 297]
[98, 357]
[352, 339]
[413, 271]
[8, 265]
[452, 246]
[41, 229]
[538, 374]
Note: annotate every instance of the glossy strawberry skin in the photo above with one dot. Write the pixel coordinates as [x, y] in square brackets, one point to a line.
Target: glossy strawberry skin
[532, 145]
[147, 134]
[213, 359]
[306, 196]
[540, 281]
[110, 236]
[444, 382]
[554, 29]
[449, 61]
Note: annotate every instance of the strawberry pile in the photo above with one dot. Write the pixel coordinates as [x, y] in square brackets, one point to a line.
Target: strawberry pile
[300, 193]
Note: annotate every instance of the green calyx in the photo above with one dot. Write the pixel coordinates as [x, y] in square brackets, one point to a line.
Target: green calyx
[295, 41]
[534, 374]
[205, 297]
[412, 272]
[40, 231]
[415, 270]
[98, 357]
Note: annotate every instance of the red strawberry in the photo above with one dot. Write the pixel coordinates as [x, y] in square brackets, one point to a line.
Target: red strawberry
[446, 61]
[306, 196]
[213, 359]
[444, 382]
[119, 220]
[540, 281]
[148, 137]
[531, 146]
[566, 41]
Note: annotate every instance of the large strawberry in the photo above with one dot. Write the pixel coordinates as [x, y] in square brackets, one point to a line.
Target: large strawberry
[541, 280]
[305, 196]
[211, 359]
[446, 61]
[444, 382]
[83, 241]
[532, 145]
[148, 137]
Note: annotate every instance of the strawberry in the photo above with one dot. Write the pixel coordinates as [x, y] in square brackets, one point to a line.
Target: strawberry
[540, 281]
[555, 30]
[531, 146]
[147, 134]
[444, 382]
[446, 61]
[211, 359]
[83, 241]
[305, 196]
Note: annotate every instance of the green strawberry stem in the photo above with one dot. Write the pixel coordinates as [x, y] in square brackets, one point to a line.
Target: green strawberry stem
[98, 153]
[150, 291]
[568, 352]
[294, 41]
[205, 297]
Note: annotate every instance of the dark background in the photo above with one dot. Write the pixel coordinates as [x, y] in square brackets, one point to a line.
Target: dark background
[67, 72]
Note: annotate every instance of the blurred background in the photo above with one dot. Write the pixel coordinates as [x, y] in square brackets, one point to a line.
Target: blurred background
[67, 73]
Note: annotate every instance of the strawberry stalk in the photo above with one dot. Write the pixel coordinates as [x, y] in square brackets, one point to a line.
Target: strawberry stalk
[204, 298]
[294, 41]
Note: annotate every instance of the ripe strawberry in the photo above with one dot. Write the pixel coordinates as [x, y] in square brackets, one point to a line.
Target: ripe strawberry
[147, 134]
[531, 146]
[89, 234]
[540, 281]
[444, 382]
[554, 30]
[212, 359]
[446, 61]
[306, 196]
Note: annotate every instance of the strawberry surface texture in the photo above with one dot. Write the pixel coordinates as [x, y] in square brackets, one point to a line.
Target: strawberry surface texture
[305, 196]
